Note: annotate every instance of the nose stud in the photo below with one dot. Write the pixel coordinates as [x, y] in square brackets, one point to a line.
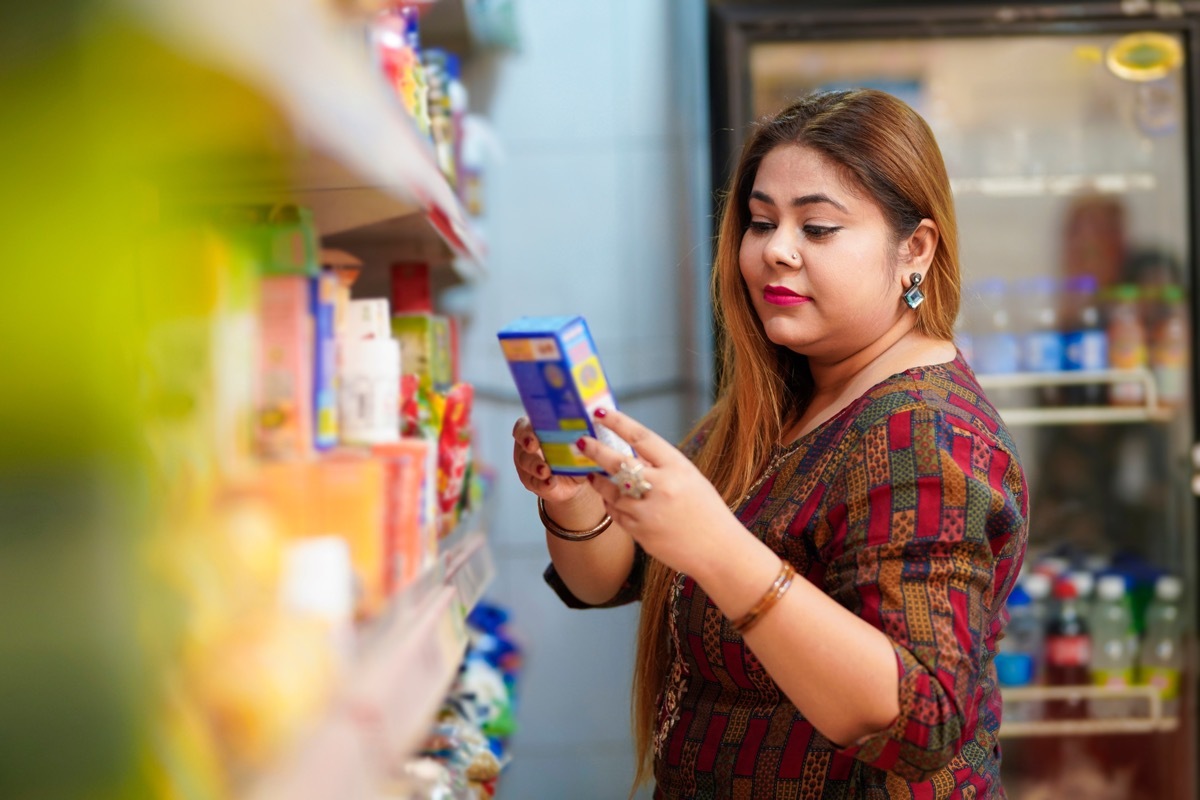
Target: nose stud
[795, 256]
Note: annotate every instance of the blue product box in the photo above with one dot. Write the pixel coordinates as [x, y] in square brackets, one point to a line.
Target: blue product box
[554, 363]
[325, 418]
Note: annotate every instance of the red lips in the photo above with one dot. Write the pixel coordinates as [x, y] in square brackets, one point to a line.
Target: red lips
[783, 296]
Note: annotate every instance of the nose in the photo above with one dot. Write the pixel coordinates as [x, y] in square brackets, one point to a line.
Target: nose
[781, 251]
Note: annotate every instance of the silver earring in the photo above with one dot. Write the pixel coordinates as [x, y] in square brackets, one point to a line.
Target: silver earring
[914, 296]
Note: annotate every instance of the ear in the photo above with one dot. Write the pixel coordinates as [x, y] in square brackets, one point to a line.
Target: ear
[920, 246]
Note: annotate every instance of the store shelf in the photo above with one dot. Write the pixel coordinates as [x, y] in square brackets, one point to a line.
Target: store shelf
[1055, 185]
[1144, 706]
[1148, 411]
[352, 154]
[408, 659]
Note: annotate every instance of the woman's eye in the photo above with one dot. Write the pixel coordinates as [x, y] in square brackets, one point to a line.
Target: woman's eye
[820, 231]
[759, 226]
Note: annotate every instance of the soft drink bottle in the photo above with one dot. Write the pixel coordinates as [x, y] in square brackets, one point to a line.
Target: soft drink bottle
[1169, 348]
[1113, 659]
[1160, 661]
[1085, 341]
[1068, 651]
[1041, 335]
[993, 335]
[1126, 343]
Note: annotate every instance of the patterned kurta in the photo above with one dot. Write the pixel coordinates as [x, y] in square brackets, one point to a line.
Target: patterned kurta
[909, 508]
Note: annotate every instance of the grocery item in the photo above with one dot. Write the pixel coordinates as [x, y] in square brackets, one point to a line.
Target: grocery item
[1126, 343]
[1161, 658]
[1113, 659]
[284, 389]
[1169, 348]
[1068, 651]
[557, 370]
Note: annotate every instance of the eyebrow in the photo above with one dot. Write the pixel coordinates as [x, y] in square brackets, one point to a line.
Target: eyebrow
[806, 200]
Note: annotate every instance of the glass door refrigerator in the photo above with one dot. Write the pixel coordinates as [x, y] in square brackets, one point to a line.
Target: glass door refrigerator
[1069, 132]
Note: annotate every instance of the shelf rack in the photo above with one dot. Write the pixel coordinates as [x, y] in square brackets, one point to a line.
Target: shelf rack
[407, 662]
[1150, 410]
[1062, 185]
[348, 151]
[1144, 704]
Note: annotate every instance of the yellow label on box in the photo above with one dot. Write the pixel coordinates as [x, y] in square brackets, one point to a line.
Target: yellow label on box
[589, 377]
[565, 454]
[573, 424]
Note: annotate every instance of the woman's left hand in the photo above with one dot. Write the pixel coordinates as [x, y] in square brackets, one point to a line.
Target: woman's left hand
[680, 519]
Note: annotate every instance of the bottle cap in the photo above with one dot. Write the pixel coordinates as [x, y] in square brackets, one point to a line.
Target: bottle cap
[1111, 587]
[1064, 589]
[1036, 585]
[1083, 582]
[1168, 588]
[1019, 597]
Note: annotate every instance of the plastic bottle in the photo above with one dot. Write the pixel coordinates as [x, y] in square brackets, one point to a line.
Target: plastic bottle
[1085, 341]
[1085, 583]
[1126, 343]
[994, 338]
[1068, 652]
[1169, 348]
[1160, 661]
[1020, 655]
[1042, 340]
[1113, 659]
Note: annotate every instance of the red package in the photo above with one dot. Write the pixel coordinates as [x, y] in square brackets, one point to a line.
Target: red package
[454, 445]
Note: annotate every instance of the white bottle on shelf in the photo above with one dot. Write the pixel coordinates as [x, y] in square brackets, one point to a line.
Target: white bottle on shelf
[1113, 659]
[1160, 661]
[993, 334]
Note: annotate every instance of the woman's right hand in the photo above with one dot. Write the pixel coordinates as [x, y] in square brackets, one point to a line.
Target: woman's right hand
[535, 473]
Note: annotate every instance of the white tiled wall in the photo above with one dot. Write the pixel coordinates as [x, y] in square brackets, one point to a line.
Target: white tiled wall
[590, 212]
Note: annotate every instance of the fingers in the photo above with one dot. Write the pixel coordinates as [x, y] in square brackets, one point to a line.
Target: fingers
[649, 446]
[527, 455]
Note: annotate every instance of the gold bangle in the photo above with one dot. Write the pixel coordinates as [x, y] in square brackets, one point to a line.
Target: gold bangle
[569, 535]
[783, 582]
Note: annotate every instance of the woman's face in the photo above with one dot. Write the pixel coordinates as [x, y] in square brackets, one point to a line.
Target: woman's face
[817, 257]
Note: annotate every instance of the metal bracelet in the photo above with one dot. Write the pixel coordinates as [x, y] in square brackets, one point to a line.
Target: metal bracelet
[569, 535]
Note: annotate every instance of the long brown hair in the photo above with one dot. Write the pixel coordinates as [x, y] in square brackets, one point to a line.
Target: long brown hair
[886, 149]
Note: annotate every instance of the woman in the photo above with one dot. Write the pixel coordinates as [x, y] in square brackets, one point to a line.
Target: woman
[823, 567]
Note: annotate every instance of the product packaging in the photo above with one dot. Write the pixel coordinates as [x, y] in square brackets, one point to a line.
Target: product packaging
[425, 348]
[349, 500]
[454, 450]
[412, 290]
[557, 370]
[369, 383]
[284, 392]
[323, 289]
[408, 541]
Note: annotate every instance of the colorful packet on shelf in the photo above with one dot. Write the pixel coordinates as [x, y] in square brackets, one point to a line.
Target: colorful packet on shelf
[557, 370]
[454, 449]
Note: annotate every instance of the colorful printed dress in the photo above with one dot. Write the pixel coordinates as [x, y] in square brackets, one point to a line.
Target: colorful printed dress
[909, 508]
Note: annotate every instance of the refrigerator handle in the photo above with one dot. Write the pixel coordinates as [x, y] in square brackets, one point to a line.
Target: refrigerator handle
[1196, 469]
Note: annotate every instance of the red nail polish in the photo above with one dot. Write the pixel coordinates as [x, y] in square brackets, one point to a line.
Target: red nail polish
[591, 477]
[601, 413]
[580, 443]
[528, 440]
